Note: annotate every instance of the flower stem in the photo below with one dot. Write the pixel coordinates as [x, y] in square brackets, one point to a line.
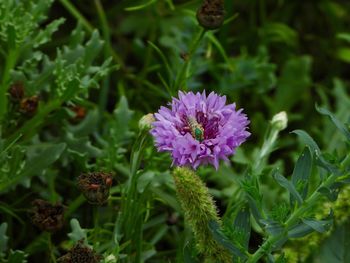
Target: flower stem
[50, 247]
[294, 217]
[9, 65]
[193, 47]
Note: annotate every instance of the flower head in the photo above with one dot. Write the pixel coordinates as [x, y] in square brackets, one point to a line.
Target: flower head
[46, 216]
[199, 129]
[95, 186]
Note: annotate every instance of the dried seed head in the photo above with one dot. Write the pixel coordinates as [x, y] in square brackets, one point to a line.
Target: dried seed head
[80, 113]
[29, 105]
[95, 186]
[80, 254]
[17, 91]
[46, 216]
[211, 14]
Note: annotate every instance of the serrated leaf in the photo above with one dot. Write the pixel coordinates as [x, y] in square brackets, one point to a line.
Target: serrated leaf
[341, 127]
[223, 240]
[92, 48]
[302, 172]
[282, 181]
[77, 232]
[3, 237]
[45, 35]
[122, 116]
[40, 157]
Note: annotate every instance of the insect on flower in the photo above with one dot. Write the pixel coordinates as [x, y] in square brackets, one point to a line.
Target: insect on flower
[197, 130]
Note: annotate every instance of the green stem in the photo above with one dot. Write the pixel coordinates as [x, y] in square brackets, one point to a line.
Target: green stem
[75, 12]
[9, 65]
[193, 47]
[305, 207]
[107, 48]
[96, 223]
[50, 246]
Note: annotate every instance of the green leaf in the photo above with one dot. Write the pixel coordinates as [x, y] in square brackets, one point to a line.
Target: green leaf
[307, 226]
[302, 172]
[282, 181]
[77, 232]
[122, 116]
[341, 127]
[3, 237]
[299, 230]
[242, 224]
[315, 150]
[335, 249]
[320, 226]
[17, 256]
[223, 240]
[45, 35]
[40, 157]
[272, 227]
[295, 80]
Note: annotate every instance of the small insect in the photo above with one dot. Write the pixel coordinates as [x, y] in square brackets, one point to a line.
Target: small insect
[197, 130]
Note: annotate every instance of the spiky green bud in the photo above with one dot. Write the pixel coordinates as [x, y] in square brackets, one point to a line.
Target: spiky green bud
[199, 209]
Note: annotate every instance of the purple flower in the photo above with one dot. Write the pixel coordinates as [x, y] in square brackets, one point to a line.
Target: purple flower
[199, 129]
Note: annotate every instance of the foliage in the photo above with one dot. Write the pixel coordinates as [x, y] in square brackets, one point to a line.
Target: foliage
[76, 78]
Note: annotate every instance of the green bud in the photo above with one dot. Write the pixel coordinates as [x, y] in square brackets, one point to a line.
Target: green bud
[280, 120]
[145, 123]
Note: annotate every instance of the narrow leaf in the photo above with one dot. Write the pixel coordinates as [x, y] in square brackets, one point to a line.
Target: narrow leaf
[302, 171]
[341, 127]
[282, 181]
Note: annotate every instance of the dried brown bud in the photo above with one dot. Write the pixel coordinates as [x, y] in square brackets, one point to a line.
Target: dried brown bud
[80, 254]
[95, 186]
[46, 216]
[16, 91]
[211, 14]
[80, 113]
[29, 105]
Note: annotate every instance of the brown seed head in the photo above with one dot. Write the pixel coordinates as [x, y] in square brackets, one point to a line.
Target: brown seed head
[16, 91]
[211, 14]
[46, 216]
[29, 105]
[95, 186]
[80, 254]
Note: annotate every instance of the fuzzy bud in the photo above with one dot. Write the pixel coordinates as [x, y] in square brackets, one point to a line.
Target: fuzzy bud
[211, 14]
[199, 209]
